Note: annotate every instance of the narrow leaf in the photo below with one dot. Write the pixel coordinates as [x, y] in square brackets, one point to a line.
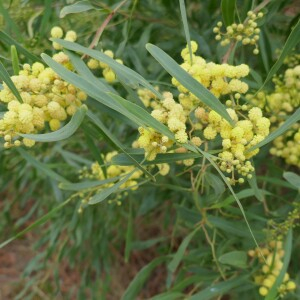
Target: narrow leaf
[228, 9]
[40, 166]
[235, 258]
[186, 27]
[293, 179]
[173, 265]
[139, 280]
[292, 40]
[6, 78]
[10, 24]
[129, 233]
[75, 8]
[103, 194]
[123, 160]
[37, 223]
[14, 59]
[218, 289]
[86, 184]
[6, 39]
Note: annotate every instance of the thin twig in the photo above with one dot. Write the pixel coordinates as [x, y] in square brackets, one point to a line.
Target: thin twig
[100, 30]
[213, 252]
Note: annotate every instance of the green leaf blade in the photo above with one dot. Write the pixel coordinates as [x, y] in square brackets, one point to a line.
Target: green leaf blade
[228, 10]
[62, 133]
[78, 7]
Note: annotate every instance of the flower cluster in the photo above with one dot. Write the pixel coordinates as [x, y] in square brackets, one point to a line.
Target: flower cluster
[58, 33]
[247, 32]
[172, 115]
[271, 268]
[220, 79]
[283, 101]
[47, 99]
[108, 74]
[236, 140]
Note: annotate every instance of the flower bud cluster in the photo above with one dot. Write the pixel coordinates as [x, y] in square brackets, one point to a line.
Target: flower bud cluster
[47, 99]
[220, 79]
[236, 140]
[292, 220]
[58, 33]
[172, 115]
[271, 268]
[96, 172]
[247, 32]
[108, 73]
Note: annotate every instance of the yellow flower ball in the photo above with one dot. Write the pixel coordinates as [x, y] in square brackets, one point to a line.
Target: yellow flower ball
[56, 32]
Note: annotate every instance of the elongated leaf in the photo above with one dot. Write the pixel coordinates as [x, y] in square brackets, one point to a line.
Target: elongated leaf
[99, 197]
[132, 77]
[293, 179]
[123, 160]
[219, 289]
[228, 9]
[235, 258]
[170, 65]
[14, 59]
[169, 296]
[173, 265]
[241, 195]
[129, 233]
[40, 166]
[46, 17]
[294, 118]
[84, 71]
[75, 8]
[186, 27]
[37, 223]
[86, 184]
[142, 245]
[64, 132]
[10, 24]
[94, 151]
[286, 260]
[139, 280]
[290, 43]
[6, 39]
[6, 78]
[254, 186]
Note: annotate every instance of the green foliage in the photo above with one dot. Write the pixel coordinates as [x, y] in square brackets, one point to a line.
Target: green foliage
[184, 235]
